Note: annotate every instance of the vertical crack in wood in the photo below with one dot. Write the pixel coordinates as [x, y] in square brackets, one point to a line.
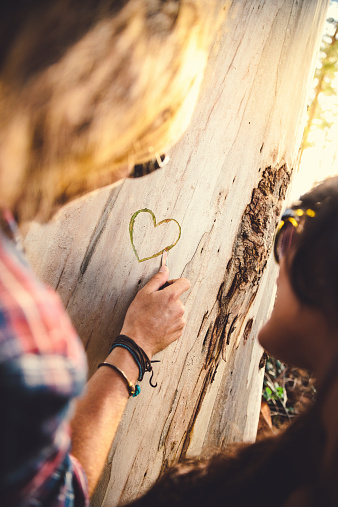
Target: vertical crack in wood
[97, 233]
[95, 237]
[247, 329]
[207, 381]
[62, 271]
[166, 427]
[203, 320]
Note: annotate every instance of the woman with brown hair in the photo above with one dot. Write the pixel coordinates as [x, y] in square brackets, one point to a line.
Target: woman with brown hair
[299, 467]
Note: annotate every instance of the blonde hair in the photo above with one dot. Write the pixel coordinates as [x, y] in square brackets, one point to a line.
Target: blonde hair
[88, 89]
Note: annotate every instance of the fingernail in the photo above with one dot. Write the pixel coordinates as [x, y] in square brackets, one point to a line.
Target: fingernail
[162, 269]
[164, 258]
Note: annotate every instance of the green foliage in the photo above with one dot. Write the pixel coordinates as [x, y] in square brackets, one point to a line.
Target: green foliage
[274, 391]
[288, 391]
[278, 392]
[273, 370]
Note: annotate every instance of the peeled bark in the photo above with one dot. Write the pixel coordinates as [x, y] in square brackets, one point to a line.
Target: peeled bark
[225, 185]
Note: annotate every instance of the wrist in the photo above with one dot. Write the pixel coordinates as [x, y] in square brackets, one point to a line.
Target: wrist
[123, 359]
[139, 340]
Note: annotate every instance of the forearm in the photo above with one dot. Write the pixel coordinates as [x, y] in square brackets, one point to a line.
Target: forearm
[98, 414]
[153, 320]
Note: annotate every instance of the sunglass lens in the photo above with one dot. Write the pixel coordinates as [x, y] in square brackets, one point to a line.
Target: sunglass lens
[283, 240]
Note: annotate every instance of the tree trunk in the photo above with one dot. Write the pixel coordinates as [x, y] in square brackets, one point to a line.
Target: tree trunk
[225, 185]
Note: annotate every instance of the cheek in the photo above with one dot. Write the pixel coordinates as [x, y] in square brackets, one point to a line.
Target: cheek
[295, 333]
[291, 334]
[276, 336]
[279, 336]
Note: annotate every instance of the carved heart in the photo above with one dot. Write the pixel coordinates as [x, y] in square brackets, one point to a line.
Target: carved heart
[165, 221]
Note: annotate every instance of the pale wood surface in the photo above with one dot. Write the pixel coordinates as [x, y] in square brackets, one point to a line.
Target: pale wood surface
[250, 117]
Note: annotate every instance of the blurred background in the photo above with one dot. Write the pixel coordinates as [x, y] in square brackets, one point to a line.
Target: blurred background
[319, 156]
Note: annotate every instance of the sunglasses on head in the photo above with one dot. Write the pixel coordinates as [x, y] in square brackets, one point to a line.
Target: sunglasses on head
[287, 227]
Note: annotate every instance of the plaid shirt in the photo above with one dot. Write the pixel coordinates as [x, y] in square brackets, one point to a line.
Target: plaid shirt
[42, 369]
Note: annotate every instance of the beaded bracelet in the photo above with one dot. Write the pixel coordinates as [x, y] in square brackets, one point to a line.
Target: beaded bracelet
[133, 389]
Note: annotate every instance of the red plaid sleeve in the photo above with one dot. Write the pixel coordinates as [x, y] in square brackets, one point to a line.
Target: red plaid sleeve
[42, 369]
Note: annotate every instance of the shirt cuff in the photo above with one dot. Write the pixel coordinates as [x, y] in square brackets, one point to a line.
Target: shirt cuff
[80, 483]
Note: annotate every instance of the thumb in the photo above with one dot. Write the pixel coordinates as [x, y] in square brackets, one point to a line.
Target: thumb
[157, 280]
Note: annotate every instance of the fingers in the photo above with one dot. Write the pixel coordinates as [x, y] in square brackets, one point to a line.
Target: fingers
[176, 329]
[180, 325]
[180, 308]
[157, 280]
[164, 258]
[177, 287]
[156, 318]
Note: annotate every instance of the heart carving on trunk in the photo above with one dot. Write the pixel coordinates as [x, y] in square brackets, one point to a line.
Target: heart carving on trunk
[155, 225]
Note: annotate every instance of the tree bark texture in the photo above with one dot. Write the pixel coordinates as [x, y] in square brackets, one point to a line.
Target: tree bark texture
[225, 185]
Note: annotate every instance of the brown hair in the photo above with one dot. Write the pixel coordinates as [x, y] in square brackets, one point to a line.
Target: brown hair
[314, 268]
[91, 87]
[269, 472]
[264, 473]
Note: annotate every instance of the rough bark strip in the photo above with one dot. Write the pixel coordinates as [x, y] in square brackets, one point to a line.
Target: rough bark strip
[251, 250]
[250, 253]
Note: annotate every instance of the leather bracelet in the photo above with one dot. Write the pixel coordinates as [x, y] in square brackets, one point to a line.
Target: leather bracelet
[134, 356]
[133, 389]
[140, 357]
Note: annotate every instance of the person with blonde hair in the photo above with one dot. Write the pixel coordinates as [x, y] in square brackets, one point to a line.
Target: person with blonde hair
[88, 90]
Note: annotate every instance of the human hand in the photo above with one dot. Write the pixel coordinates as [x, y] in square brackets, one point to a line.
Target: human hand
[155, 317]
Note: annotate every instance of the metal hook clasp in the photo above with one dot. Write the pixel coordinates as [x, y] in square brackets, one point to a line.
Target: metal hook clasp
[152, 374]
